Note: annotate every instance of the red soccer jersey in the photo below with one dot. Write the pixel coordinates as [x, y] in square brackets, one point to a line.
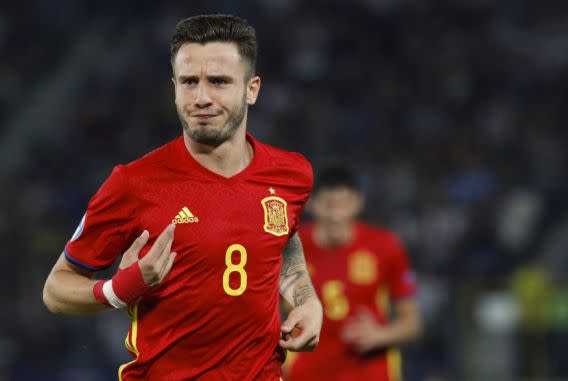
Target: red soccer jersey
[215, 315]
[367, 272]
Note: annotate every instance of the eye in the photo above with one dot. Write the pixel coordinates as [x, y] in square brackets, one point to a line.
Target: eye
[219, 81]
[190, 81]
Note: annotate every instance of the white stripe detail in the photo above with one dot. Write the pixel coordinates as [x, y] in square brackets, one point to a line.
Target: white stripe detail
[111, 296]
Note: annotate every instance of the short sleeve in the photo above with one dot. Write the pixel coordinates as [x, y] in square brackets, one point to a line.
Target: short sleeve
[402, 279]
[107, 227]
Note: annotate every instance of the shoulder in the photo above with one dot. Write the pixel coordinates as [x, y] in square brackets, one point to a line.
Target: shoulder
[123, 177]
[154, 161]
[385, 238]
[292, 165]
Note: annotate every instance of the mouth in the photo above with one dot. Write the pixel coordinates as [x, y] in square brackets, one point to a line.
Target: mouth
[203, 116]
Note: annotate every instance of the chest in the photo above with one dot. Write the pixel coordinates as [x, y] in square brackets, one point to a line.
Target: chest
[219, 225]
[347, 279]
[361, 269]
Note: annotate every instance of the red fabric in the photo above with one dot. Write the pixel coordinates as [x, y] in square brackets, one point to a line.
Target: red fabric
[188, 327]
[98, 293]
[129, 284]
[110, 224]
[384, 257]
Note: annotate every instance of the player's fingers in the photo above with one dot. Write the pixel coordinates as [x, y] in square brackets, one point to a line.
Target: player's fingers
[288, 345]
[298, 336]
[162, 260]
[130, 256]
[309, 343]
[138, 244]
[350, 333]
[168, 266]
[289, 324]
[152, 264]
[312, 344]
[298, 343]
[287, 340]
[163, 239]
[347, 335]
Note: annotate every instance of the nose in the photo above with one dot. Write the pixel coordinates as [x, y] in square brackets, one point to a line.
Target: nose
[202, 98]
[337, 214]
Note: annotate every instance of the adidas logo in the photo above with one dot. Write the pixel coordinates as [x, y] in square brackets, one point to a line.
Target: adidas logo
[184, 217]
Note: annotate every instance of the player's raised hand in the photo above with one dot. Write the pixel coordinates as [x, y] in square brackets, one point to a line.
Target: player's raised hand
[136, 276]
[158, 262]
[130, 256]
[301, 330]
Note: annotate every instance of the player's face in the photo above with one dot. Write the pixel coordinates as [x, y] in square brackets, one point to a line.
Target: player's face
[212, 92]
[336, 208]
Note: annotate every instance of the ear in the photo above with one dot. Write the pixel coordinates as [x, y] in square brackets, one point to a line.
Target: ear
[253, 88]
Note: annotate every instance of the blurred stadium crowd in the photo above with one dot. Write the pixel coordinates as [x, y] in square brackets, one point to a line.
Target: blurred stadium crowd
[452, 111]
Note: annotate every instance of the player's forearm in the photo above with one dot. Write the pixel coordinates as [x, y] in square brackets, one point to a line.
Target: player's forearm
[67, 292]
[406, 325]
[71, 294]
[295, 284]
[400, 331]
[297, 288]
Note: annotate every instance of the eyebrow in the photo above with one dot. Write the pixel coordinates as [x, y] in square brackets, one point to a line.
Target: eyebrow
[226, 78]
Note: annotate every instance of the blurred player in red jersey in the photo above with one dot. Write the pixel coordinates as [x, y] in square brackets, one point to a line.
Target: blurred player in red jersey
[204, 305]
[360, 272]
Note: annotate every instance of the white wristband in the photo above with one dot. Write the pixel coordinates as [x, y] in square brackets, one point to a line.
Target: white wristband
[111, 296]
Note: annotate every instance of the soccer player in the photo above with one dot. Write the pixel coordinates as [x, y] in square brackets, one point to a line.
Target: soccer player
[204, 305]
[360, 272]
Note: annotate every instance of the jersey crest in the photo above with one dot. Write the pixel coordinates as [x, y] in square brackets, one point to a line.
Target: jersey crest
[275, 216]
[362, 267]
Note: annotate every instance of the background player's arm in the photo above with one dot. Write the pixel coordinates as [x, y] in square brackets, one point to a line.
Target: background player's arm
[365, 334]
[69, 288]
[407, 322]
[300, 331]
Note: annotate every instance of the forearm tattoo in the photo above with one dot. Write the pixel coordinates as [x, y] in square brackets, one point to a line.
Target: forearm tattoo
[301, 293]
[295, 284]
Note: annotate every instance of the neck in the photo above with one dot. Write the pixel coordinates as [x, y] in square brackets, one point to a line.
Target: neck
[334, 236]
[227, 159]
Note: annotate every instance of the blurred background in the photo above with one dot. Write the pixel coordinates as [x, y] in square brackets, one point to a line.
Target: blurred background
[454, 113]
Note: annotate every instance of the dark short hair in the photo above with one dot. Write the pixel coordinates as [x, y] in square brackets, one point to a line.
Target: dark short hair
[217, 28]
[336, 175]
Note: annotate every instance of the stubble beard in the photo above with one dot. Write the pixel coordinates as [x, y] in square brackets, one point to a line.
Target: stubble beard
[215, 136]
